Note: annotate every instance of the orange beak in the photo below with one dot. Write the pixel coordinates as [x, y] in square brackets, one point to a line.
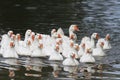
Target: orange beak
[33, 37]
[102, 44]
[76, 28]
[29, 42]
[108, 37]
[73, 56]
[97, 36]
[71, 36]
[12, 44]
[41, 45]
[83, 45]
[71, 44]
[57, 48]
[59, 36]
[40, 36]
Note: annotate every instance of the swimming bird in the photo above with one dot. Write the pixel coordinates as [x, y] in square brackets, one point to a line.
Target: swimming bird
[70, 61]
[87, 57]
[106, 41]
[10, 52]
[37, 52]
[98, 51]
[90, 42]
[56, 55]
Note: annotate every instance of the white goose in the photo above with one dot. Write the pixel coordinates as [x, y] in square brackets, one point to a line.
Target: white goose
[98, 51]
[6, 38]
[72, 35]
[49, 42]
[70, 61]
[70, 48]
[35, 42]
[106, 40]
[37, 52]
[10, 52]
[90, 42]
[56, 55]
[87, 57]
[24, 50]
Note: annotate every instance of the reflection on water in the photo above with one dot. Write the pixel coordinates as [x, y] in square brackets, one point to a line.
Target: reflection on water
[41, 16]
[55, 70]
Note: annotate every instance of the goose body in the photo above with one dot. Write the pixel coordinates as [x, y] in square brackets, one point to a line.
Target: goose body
[106, 42]
[10, 52]
[37, 52]
[87, 57]
[98, 51]
[56, 55]
[70, 61]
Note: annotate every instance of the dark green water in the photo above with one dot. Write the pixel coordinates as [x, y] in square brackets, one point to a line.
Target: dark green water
[102, 16]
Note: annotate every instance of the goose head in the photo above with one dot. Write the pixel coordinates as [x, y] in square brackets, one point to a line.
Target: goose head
[28, 32]
[13, 37]
[71, 43]
[10, 33]
[100, 44]
[107, 37]
[73, 27]
[57, 48]
[88, 51]
[59, 41]
[12, 44]
[76, 46]
[29, 42]
[83, 45]
[39, 36]
[40, 45]
[18, 37]
[53, 31]
[59, 36]
[72, 55]
[32, 36]
[72, 36]
[95, 36]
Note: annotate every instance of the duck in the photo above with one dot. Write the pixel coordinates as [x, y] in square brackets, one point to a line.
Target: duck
[37, 52]
[90, 42]
[70, 61]
[6, 38]
[106, 40]
[10, 52]
[24, 50]
[87, 57]
[49, 42]
[98, 51]
[36, 41]
[72, 35]
[56, 55]
[70, 48]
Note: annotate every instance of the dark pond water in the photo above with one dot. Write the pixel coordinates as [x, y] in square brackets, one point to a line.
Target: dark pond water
[101, 16]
